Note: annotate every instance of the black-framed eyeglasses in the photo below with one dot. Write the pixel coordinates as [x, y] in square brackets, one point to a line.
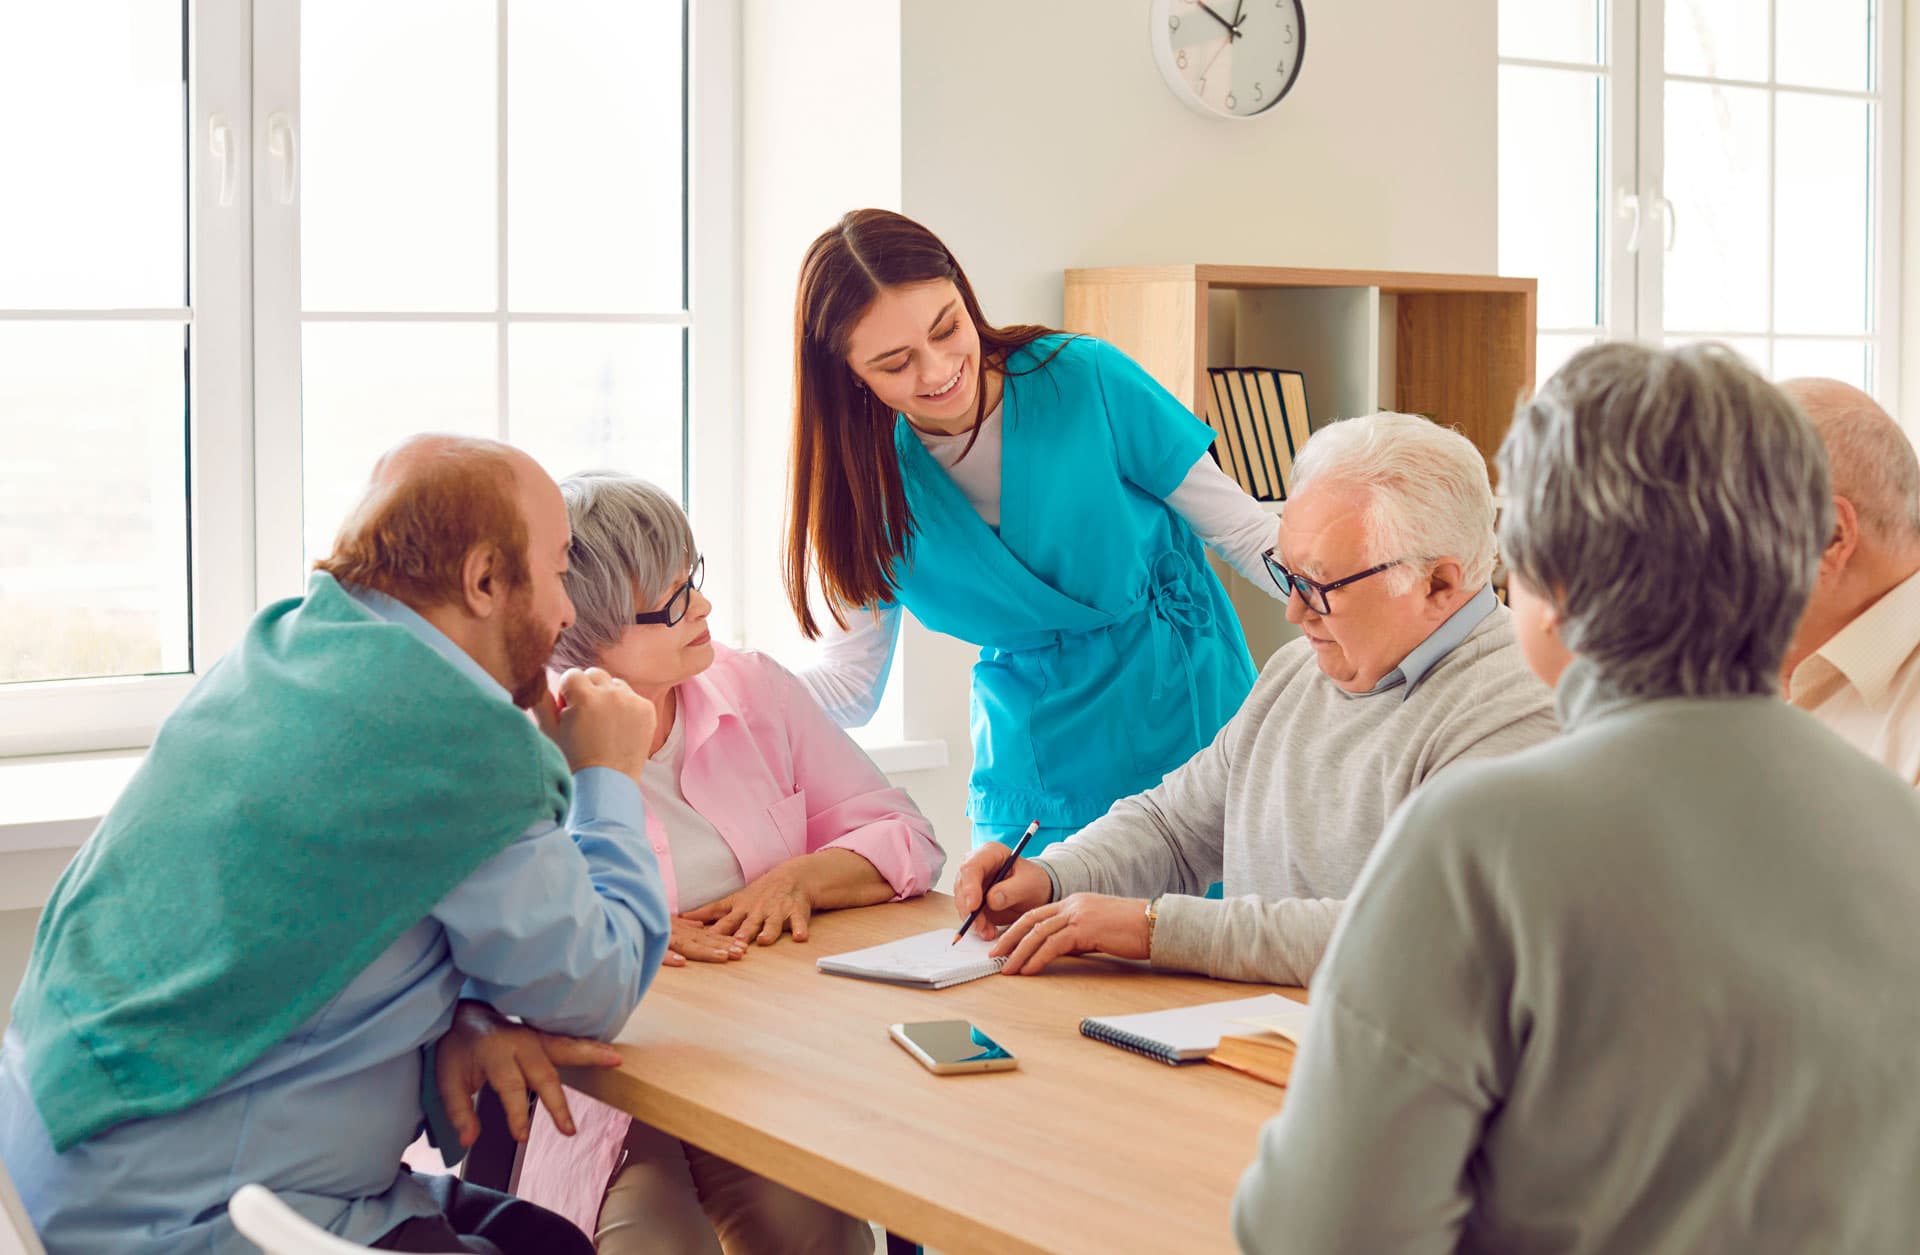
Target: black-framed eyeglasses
[1312, 592]
[676, 607]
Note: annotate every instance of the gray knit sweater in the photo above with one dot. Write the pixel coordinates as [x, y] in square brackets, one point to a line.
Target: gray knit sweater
[1651, 989]
[1286, 803]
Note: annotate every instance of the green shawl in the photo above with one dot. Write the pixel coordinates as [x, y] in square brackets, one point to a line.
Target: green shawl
[319, 790]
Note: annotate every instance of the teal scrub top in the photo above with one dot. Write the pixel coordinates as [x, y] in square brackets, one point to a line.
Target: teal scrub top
[1109, 653]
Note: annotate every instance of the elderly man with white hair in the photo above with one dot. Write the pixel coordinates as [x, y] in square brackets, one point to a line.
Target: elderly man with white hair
[1855, 660]
[1406, 664]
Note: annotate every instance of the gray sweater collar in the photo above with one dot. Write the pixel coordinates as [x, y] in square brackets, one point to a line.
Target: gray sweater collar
[1583, 695]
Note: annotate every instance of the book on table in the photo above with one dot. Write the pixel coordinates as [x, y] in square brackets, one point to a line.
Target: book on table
[1267, 1052]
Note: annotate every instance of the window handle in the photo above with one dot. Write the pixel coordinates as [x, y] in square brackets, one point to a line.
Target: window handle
[1669, 217]
[1627, 205]
[220, 144]
[281, 145]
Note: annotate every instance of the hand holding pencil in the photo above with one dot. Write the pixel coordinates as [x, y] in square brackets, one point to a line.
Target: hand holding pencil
[1015, 886]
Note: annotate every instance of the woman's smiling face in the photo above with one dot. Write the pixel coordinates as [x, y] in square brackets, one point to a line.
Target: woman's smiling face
[917, 350]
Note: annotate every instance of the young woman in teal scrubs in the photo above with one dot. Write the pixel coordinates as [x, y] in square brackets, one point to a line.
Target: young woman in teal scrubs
[1036, 494]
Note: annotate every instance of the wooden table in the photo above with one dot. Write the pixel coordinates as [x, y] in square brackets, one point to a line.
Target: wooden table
[790, 1072]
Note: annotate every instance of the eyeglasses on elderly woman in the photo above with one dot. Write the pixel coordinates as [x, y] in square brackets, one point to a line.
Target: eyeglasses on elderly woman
[676, 607]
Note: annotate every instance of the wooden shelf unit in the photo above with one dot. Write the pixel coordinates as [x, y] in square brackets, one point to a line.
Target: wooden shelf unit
[1457, 348]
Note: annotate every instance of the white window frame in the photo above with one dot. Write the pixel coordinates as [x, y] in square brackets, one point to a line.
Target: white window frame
[244, 444]
[1632, 206]
[57, 716]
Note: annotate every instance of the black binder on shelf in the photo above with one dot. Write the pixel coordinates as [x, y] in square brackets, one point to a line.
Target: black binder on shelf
[1259, 417]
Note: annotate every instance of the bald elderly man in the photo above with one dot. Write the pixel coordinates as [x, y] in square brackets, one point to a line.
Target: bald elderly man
[347, 827]
[1855, 660]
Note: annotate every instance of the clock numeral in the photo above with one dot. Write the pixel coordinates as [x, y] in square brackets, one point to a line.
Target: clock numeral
[1181, 60]
[1258, 94]
[1202, 89]
[1231, 102]
[1289, 38]
[1173, 23]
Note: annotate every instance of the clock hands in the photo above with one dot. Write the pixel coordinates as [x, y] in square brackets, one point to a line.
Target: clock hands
[1233, 27]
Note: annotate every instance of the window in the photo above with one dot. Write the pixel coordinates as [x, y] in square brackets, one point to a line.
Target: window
[1678, 170]
[95, 337]
[273, 238]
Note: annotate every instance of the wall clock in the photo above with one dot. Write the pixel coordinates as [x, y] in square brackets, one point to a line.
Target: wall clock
[1229, 58]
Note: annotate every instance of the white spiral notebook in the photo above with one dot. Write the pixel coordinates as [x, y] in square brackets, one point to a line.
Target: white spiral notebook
[1189, 1034]
[928, 961]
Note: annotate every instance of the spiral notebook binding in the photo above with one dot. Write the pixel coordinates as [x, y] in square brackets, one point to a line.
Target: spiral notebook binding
[1129, 1041]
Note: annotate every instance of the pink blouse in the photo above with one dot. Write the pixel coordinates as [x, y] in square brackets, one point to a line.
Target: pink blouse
[777, 779]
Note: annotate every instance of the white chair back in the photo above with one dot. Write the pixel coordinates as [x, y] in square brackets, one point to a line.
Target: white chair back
[278, 1229]
[16, 1233]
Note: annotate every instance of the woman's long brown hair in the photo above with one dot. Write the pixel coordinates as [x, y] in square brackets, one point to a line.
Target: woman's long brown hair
[847, 508]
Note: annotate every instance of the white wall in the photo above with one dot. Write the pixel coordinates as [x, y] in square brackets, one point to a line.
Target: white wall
[1040, 136]
[820, 134]
[16, 944]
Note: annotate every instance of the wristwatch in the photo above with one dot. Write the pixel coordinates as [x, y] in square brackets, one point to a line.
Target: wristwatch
[1153, 918]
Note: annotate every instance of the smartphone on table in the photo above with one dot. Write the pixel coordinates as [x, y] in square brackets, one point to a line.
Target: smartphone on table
[948, 1046]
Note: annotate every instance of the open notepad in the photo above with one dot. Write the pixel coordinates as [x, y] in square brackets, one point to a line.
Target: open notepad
[928, 960]
[1189, 1034]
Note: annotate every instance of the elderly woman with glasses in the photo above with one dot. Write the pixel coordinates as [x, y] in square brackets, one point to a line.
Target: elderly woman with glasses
[1650, 987]
[760, 811]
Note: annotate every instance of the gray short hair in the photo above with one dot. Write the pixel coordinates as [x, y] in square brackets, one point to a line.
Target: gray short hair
[1674, 506]
[1427, 490]
[631, 544]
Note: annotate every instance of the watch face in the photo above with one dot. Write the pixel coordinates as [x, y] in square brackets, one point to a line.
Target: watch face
[1231, 57]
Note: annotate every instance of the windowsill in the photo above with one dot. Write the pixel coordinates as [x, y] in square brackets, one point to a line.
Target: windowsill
[50, 805]
[900, 757]
[54, 802]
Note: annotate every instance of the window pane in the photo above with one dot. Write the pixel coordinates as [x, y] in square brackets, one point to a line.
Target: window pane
[1716, 159]
[94, 212]
[1550, 124]
[1751, 348]
[1717, 38]
[1825, 43]
[365, 386]
[93, 537]
[1845, 360]
[1551, 30]
[1823, 194]
[594, 162]
[1552, 350]
[398, 155]
[598, 397]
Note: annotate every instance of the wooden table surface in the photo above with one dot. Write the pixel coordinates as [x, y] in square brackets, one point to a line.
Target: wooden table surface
[790, 1072]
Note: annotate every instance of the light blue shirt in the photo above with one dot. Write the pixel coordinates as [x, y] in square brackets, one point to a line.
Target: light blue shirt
[564, 928]
[1442, 641]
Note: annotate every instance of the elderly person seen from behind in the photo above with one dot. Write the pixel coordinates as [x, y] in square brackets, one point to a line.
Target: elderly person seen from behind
[1651, 987]
[761, 812]
[1407, 665]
